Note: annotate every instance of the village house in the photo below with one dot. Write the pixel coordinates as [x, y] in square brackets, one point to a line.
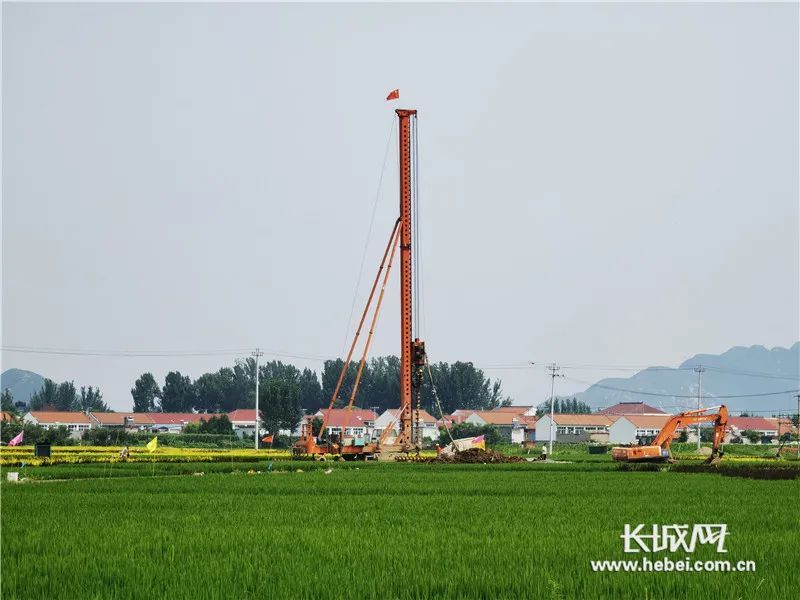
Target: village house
[359, 422]
[389, 418]
[174, 422]
[243, 421]
[785, 426]
[767, 429]
[629, 429]
[459, 415]
[575, 428]
[511, 425]
[129, 421]
[75, 422]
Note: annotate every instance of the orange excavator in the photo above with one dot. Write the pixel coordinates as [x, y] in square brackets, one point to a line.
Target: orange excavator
[659, 450]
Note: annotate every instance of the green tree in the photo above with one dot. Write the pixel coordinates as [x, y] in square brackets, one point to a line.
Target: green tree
[178, 394]
[145, 391]
[217, 424]
[208, 392]
[92, 399]
[7, 402]
[66, 396]
[226, 390]
[571, 406]
[330, 375]
[753, 436]
[381, 383]
[278, 370]
[46, 397]
[309, 390]
[462, 385]
[279, 402]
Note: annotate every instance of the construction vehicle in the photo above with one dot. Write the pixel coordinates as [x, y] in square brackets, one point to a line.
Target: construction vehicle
[412, 349]
[659, 450]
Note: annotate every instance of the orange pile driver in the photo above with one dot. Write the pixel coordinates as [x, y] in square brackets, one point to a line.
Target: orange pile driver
[412, 349]
[659, 450]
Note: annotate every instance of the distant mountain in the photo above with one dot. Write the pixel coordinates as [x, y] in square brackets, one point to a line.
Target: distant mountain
[23, 384]
[740, 371]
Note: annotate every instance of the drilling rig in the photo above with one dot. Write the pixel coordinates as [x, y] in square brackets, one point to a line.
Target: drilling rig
[412, 350]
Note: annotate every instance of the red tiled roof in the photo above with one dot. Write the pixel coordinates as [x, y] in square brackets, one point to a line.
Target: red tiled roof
[178, 418]
[513, 409]
[459, 416]
[51, 417]
[424, 415]
[785, 426]
[631, 408]
[647, 421]
[358, 416]
[7, 416]
[753, 423]
[499, 418]
[240, 415]
[115, 418]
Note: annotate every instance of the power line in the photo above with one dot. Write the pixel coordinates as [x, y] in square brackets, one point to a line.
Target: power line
[663, 395]
[153, 353]
[753, 373]
[592, 367]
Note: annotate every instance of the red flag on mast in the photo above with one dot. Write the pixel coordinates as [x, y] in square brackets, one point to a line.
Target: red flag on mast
[393, 95]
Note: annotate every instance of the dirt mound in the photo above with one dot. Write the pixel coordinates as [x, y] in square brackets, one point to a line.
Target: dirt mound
[476, 456]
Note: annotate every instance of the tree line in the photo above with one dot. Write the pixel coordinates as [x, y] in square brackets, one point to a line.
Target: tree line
[459, 385]
[60, 397]
[569, 406]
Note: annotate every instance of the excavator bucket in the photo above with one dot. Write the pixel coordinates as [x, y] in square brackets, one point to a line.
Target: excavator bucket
[714, 458]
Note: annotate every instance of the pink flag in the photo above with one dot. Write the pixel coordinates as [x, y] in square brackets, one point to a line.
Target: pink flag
[16, 440]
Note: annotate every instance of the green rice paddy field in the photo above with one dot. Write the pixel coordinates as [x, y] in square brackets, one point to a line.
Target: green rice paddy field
[382, 531]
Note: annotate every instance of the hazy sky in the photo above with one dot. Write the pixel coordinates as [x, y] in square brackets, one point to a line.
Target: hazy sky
[603, 184]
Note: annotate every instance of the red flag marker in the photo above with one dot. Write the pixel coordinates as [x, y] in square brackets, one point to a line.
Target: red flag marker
[393, 95]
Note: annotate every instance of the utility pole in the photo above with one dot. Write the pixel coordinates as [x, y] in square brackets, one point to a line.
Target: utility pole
[797, 427]
[699, 370]
[256, 354]
[554, 369]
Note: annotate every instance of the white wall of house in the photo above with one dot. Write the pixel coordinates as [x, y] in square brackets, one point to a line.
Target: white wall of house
[543, 429]
[475, 419]
[517, 435]
[384, 420]
[622, 431]
[515, 432]
[243, 427]
[387, 419]
[75, 429]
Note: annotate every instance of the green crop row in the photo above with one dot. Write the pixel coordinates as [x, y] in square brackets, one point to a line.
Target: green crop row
[383, 530]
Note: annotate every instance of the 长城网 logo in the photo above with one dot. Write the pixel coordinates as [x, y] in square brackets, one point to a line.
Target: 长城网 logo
[673, 538]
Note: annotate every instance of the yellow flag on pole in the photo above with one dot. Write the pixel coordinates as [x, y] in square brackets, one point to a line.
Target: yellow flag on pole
[152, 444]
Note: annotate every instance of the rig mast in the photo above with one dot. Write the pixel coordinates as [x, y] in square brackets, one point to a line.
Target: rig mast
[412, 350]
